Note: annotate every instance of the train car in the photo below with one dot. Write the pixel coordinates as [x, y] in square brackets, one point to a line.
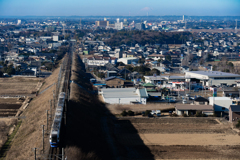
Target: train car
[54, 138]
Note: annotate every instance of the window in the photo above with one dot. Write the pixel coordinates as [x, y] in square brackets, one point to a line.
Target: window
[54, 138]
[223, 108]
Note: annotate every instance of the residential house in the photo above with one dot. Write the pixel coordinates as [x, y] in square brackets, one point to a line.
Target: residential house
[114, 82]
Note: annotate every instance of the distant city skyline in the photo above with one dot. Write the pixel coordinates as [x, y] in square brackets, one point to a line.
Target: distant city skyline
[119, 8]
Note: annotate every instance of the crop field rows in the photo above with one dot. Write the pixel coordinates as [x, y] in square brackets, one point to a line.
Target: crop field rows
[176, 138]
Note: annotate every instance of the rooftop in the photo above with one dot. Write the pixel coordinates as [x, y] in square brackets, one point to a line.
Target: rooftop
[123, 93]
[235, 108]
[214, 73]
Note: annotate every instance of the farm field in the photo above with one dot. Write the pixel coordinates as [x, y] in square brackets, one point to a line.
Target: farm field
[177, 138]
[19, 86]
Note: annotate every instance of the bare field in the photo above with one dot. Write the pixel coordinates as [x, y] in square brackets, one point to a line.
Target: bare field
[10, 101]
[18, 85]
[177, 138]
[117, 109]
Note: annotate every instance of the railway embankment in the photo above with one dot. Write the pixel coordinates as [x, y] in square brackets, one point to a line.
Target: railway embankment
[85, 138]
[29, 135]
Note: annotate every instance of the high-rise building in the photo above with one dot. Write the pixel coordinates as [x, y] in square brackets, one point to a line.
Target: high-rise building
[19, 22]
[118, 25]
[183, 18]
[104, 23]
[140, 26]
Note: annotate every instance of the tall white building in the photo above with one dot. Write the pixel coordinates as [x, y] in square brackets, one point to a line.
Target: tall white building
[183, 18]
[19, 22]
[118, 25]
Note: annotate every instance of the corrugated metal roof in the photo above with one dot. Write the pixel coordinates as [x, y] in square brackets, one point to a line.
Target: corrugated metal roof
[142, 92]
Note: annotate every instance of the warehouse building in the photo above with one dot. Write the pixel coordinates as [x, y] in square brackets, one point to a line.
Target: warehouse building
[124, 95]
[209, 78]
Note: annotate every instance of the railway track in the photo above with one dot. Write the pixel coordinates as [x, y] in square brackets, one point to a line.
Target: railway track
[55, 153]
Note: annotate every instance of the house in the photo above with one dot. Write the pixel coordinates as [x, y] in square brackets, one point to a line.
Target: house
[209, 78]
[150, 87]
[28, 72]
[156, 56]
[115, 82]
[124, 73]
[201, 101]
[128, 60]
[234, 113]
[221, 104]
[124, 95]
[192, 109]
[98, 61]
[230, 93]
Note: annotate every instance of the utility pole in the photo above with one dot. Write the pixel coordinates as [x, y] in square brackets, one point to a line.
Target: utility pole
[47, 119]
[35, 153]
[50, 102]
[53, 98]
[43, 137]
[62, 153]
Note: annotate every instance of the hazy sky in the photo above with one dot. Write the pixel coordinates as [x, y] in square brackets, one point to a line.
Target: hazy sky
[119, 7]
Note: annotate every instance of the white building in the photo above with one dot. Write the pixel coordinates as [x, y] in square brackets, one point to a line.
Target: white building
[55, 38]
[19, 22]
[100, 61]
[118, 25]
[209, 78]
[221, 104]
[124, 95]
[128, 60]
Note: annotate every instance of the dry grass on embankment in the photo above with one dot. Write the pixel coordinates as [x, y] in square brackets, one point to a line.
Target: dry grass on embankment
[29, 134]
[84, 136]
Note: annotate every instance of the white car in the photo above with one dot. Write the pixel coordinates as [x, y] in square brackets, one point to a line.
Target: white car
[187, 95]
[184, 101]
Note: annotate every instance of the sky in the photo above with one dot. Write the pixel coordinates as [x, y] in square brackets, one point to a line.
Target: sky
[119, 7]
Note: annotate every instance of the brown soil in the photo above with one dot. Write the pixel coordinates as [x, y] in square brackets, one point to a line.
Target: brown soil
[176, 138]
[18, 85]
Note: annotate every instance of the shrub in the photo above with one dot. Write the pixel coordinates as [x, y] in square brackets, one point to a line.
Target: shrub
[130, 113]
[174, 115]
[147, 112]
[124, 113]
[238, 124]
[199, 114]
[185, 115]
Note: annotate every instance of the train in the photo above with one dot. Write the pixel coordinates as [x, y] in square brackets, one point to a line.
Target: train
[54, 138]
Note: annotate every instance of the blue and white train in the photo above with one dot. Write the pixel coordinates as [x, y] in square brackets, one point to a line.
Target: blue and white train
[54, 138]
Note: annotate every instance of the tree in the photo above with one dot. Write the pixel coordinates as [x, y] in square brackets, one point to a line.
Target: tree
[1, 73]
[10, 70]
[129, 67]
[168, 57]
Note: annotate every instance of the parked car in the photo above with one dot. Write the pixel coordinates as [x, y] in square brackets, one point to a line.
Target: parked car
[153, 112]
[158, 114]
[191, 98]
[184, 101]
[187, 95]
